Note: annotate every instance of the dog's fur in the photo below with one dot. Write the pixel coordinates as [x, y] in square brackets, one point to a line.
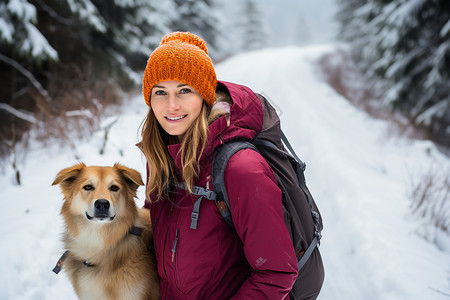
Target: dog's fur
[105, 260]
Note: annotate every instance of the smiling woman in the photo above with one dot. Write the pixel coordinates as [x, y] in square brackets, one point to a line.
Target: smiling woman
[176, 106]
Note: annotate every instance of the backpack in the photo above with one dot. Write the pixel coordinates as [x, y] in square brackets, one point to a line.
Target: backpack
[301, 215]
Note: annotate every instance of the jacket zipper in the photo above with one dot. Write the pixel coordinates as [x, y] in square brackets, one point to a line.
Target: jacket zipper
[175, 258]
[175, 242]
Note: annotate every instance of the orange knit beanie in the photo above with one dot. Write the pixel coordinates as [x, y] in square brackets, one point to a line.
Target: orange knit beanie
[181, 56]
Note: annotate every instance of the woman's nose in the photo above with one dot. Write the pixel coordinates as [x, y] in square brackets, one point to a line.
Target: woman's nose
[173, 102]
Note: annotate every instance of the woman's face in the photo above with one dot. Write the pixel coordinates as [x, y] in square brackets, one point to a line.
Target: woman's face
[176, 106]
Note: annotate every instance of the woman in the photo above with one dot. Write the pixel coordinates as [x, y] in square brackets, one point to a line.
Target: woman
[190, 115]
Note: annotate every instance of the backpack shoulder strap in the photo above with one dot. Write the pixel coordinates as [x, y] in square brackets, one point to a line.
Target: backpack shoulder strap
[221, 157]
[300, 169]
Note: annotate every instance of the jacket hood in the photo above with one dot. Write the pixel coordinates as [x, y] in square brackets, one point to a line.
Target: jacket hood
[245, 117]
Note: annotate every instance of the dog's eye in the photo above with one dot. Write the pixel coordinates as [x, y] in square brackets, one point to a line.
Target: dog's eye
[114, 188]
[88, 187]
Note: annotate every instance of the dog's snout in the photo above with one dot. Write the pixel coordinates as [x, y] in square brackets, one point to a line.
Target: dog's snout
[102, 205]
[101, 210]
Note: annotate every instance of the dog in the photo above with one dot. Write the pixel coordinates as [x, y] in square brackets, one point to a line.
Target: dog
[108, 239]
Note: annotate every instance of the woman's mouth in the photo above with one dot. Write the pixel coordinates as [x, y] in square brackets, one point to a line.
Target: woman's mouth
[175, 118]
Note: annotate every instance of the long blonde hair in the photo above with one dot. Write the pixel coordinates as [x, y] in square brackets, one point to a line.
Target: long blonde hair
[161, 167]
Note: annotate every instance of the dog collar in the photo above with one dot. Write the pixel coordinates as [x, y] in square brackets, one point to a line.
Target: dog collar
[60, 262]
[88, 264]
[136, 230]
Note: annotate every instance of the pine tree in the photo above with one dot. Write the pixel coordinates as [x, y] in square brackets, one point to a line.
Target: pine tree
[22, 47]
[404, 48]
[18, 30]
[254, 32]
[201, 17]
[302, 35]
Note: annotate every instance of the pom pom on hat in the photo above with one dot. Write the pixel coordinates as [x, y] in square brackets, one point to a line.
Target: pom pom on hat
[181, 56]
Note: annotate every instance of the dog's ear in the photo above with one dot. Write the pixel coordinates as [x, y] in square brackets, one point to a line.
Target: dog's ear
[131, 176]
[68, 175]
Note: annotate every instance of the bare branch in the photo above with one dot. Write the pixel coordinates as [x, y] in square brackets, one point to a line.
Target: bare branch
[28, 75]
[52, 13]
[19, 114]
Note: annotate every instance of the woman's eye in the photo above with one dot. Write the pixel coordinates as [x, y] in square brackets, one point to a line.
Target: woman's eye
[114, 188]
[160, 93]
[185, 91]
[88, 187]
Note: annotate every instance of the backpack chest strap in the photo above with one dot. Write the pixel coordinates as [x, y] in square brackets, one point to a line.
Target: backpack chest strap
[198, 191]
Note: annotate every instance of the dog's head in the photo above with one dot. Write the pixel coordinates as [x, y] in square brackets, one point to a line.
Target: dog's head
[98, 194]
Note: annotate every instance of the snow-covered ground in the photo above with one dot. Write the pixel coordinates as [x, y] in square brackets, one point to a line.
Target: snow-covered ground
[358, 172]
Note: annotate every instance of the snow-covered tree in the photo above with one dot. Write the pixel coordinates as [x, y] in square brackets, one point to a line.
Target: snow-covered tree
[62, 55]
[201, 17]
[351, 28]
[404, 48]
[302, 32]
[253, 29]
[18, 19]
[20, 40]
[113, 35]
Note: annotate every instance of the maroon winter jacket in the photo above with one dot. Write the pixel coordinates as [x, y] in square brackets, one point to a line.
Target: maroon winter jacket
[256, 259]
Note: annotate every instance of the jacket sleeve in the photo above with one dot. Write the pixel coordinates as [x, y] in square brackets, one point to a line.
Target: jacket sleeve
[255, 203]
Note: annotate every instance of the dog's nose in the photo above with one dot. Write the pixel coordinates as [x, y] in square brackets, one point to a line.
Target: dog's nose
[102, 205]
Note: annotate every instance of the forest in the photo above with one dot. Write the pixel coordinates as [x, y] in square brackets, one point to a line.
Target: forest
[403, 49]
[65, 64]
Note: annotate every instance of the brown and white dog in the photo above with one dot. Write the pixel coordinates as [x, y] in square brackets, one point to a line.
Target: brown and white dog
[109, 240]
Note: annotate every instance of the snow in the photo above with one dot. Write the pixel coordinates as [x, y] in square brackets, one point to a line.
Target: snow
[357, 170]
[80, 113]
[37, 44]
[6, 30]
[22, 9]
[445, 29]
[88, 12]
